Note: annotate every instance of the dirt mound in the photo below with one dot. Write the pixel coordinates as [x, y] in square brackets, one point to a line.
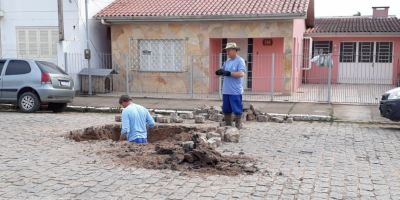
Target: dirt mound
[166, 151]
[96, 133]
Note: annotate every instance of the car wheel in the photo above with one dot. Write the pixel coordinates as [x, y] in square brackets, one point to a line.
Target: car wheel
[57, 107]
[28, 102]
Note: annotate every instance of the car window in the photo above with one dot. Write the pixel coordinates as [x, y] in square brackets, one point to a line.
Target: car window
[49, 67]
[16, 67]
[2, 62]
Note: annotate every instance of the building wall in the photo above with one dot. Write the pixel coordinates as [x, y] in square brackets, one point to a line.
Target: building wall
[197, 35]
[262, 65]
[20, 13]
[44, 13]
[215, 63]
[299, 28]
[320, 74]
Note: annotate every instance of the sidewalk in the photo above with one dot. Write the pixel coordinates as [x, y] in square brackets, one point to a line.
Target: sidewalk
[347, 113]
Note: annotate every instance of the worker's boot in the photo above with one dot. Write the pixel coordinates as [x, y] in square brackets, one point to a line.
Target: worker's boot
[238, 121]
[228, 119]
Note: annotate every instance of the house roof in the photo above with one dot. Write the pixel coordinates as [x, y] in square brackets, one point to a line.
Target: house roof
[354, 25]
[200, 9]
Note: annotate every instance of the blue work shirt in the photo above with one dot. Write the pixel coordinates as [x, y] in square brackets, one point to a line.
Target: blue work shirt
[232, 85]
[135, 119]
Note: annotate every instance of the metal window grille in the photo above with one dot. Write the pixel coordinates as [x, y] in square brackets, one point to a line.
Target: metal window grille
[322, 47]
[366, 52]
[162, 55]
[348, 52]
[384, 52]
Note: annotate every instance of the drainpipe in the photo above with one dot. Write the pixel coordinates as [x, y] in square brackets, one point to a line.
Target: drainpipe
[309, 54]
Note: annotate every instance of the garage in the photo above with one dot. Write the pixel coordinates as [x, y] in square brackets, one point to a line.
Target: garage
[366, 63]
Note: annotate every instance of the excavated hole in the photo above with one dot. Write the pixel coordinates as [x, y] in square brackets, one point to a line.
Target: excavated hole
[165, 151]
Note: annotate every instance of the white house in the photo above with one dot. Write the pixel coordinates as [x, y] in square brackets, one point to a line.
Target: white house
[31, 29]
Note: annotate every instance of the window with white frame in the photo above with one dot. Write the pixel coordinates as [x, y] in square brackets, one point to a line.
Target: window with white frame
[366, 52]
[161, 55]
[37, 42]
[322, 47]
[384, 52]
[348, 52]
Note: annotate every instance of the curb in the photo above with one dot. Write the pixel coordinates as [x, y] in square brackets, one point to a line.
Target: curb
[296, 117]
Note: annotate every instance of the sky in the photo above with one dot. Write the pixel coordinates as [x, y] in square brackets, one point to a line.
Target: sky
[351, 7]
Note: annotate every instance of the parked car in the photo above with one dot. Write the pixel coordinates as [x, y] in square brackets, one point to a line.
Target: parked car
[390, 104]
[31, 83]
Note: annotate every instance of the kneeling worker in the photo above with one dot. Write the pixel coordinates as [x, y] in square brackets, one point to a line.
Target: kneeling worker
[233, 71]
[135, 119]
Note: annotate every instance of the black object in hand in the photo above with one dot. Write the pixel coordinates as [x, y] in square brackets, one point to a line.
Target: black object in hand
[226, 73]
[219, 72]
[222, 72]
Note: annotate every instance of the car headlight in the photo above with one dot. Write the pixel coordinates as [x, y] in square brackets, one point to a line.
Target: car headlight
[394, 95]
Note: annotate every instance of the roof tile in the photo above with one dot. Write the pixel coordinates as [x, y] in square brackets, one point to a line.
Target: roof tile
[355, 25]
[187, 8]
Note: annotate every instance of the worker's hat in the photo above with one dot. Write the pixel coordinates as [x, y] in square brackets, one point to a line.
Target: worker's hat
[232, 45]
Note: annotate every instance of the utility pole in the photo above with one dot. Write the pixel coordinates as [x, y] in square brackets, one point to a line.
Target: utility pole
[87, 50]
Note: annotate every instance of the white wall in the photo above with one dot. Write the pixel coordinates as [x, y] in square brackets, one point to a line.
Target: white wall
[43, 13]
[19, 13]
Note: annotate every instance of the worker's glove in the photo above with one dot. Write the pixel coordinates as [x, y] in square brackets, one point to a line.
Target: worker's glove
[222, 72]
[219, 72]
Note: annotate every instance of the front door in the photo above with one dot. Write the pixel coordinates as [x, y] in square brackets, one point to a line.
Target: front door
[366, 63]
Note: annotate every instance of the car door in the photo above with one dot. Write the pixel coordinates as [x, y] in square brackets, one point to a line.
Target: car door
[15, 75]
[2, 63]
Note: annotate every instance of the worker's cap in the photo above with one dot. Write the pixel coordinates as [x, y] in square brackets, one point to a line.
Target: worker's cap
[232, 45]
[124, 98]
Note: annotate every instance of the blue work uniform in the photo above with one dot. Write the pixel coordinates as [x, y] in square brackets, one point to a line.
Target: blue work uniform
[232, 88]
[135, 119]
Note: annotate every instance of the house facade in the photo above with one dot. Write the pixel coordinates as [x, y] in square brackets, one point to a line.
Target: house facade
[365, 49]
[177, 48]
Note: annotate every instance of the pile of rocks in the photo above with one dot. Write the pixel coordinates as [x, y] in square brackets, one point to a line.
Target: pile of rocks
[214, 137]
[214, 113]
[252, 114]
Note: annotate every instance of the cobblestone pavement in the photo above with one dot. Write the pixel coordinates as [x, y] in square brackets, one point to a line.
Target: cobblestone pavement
[296, 161]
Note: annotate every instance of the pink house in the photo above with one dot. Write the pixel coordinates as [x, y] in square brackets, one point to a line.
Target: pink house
[177, 48]
[170, 42]
[366, 49]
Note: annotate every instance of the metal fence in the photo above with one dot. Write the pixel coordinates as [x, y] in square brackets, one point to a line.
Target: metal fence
[269, 77]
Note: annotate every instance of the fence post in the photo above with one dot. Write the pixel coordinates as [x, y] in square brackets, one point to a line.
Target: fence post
[330, 66]
[191, 68]
[127, 74]
[66, 62]
[273, 77]
[220, 78]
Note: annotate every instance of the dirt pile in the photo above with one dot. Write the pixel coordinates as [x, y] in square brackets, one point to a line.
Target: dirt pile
[167, 150]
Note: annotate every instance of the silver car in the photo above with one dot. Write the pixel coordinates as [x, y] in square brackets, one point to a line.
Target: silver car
[30, 84]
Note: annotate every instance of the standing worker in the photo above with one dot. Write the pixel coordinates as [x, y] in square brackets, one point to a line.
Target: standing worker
[233, 71]
[135, 119]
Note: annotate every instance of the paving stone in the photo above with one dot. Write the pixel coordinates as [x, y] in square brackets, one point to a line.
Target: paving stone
[213, 134]
[214, 142]
[262, 118]
[232, 135]
[188, 115]
[344, 157]
[163, 119]
[199, 119]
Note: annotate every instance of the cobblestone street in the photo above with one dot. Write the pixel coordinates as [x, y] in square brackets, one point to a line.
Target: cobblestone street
[296, 161]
